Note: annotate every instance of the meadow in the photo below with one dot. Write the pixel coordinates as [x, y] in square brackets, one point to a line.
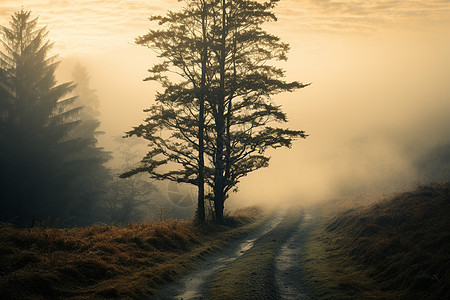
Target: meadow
[393, 248]
[102, 261]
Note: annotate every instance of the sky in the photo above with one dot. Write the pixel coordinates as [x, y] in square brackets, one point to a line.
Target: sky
[379, 99]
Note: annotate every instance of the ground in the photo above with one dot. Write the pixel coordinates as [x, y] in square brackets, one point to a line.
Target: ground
[266, 264]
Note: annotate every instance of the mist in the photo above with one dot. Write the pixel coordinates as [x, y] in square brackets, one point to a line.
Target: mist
[376, 111]
[210, 193]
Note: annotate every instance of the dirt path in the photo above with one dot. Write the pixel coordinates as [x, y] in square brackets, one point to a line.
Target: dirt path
[283, 238]
[289, 274]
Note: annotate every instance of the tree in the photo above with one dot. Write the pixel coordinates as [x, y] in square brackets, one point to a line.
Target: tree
[35, 120]
[181, 112]
[244, 84]
[45, 160]
[127, 199]
[91, 179]
[239, 82]
[201, 119]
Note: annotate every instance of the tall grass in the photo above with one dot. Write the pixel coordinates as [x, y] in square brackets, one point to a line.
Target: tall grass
[103, 261]
[395, 248]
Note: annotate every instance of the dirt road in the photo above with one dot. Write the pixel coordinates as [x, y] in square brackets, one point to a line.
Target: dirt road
[289, 275]
[266, 264]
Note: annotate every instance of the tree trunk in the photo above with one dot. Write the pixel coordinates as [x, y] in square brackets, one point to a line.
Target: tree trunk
[219, 192]
[229, 116]
[201, 121]
[218, 208]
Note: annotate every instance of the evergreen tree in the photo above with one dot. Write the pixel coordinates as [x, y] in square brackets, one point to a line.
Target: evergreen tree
[179, 112]
[35, 120]
[226, 37]
[91, 178]
[42, 156]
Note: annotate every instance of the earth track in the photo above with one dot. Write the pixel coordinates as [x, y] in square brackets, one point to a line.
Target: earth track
[263, 265]
[195, 284]
[289, 271]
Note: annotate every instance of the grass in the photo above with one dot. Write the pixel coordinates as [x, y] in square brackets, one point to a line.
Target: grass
[105, 261]
[251, 275]
[395, 248]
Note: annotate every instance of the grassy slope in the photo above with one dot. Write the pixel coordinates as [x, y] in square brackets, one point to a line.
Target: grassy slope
[106, 261]
[391, 249]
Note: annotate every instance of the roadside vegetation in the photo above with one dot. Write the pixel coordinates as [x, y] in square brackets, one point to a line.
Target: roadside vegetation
[103, 261]
[389, 249]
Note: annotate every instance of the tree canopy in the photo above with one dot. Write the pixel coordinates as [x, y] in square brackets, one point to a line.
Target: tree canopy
[223, 43]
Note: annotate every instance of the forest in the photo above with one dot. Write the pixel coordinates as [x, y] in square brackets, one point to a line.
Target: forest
[211, 126]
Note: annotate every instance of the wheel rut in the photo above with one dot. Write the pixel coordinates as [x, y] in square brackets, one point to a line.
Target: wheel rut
[195, 284]
[266, 264]
[289, 271]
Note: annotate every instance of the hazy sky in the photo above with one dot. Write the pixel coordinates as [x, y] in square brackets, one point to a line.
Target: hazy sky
[380, 73]
[85, 26]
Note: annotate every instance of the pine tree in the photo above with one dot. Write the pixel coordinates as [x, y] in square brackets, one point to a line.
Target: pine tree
[91, 178]
[180, 111]
[35, 120]
[43, 159]
[239, 83]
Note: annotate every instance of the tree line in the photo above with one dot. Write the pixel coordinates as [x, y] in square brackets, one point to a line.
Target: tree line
[214, 120]
[51, 165]
[210, 126]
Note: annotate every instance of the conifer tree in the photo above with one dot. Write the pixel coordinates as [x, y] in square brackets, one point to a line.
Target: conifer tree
[239, 83]
[35, 120]
[91, 178]
[42, 158]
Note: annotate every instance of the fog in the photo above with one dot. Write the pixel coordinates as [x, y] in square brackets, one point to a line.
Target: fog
[377, 108]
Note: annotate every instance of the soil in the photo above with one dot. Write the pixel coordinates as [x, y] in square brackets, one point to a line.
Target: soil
[279, 277]
[289, 271]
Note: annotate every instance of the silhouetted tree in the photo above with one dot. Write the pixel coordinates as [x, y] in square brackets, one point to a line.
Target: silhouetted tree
[128, 200]
[244, 84]
[35, 121]
[45, 161]
[239, 82]
[92, 178]
[180, 110]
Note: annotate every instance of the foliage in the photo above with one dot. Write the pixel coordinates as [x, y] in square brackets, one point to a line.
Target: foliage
[93, 178]
[131, 199]
[35, 122]
[220, 54]
[47, 145]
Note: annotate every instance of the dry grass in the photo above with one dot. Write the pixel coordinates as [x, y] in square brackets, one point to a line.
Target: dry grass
[106, 261]
[394, 248]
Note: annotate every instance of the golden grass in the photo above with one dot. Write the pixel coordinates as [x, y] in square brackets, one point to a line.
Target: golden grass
[103, 261]
[392, 249]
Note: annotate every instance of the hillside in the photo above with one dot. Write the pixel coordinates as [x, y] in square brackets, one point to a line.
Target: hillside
[106, 261]
[394, 248]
